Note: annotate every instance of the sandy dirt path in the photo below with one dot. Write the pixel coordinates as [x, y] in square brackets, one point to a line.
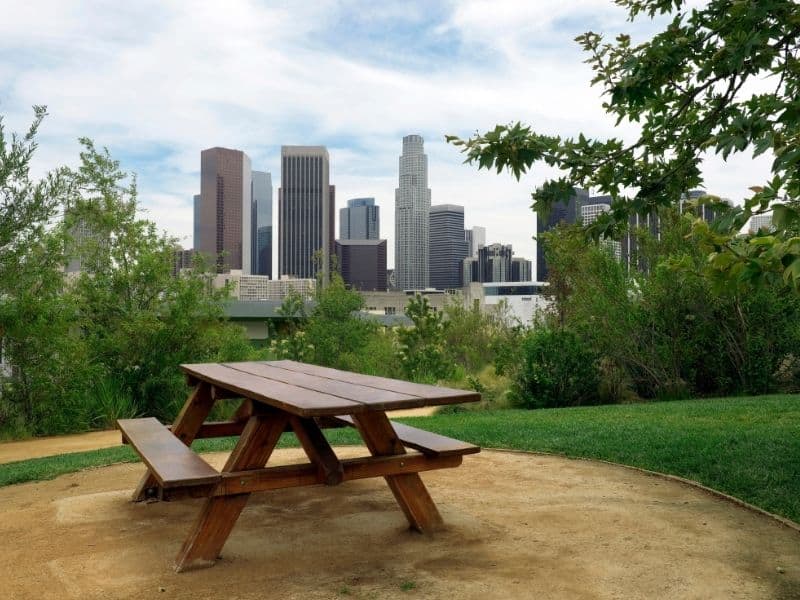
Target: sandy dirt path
[81, 442]
[518, 527]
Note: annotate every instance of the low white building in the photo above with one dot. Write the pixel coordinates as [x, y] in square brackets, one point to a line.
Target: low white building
[253, 288]
[760, 222]
[395, 302]
[523, 299]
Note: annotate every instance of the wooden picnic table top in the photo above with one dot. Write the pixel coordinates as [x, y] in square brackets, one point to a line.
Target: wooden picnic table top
[312, 391]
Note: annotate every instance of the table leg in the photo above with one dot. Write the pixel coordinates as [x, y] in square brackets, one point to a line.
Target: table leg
[408, 489]
[318, 449]
[185, 427]
[219, 514]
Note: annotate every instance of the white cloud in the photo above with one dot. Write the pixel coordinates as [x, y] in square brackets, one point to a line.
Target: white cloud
[173, 78]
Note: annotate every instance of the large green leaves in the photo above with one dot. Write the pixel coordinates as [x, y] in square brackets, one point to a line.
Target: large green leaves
[688, 90]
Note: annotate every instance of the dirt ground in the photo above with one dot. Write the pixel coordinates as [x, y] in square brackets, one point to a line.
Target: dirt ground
[518, 527]
[81, 442]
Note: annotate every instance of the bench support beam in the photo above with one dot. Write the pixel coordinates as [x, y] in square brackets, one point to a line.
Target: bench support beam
[289, 476]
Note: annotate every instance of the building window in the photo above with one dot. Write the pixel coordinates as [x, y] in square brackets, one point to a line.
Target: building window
[389, 310]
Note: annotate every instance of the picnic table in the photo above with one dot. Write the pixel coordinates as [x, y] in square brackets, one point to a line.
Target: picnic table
[280, 396]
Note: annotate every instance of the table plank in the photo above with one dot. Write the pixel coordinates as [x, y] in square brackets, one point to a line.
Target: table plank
[421, 394]
[296, 400]
[377, 399]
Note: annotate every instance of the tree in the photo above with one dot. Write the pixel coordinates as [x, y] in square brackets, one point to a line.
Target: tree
[25, 205]
[664, 332]
[108, 340]
[690, 91]
[336, 331]
[139, 320]
[423, 355]
[35, 313]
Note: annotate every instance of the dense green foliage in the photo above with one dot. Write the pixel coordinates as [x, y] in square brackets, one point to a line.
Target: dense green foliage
[456, 346]
[747, 447]
[335, 334]
[558, 368]
[721, 78]
[89, 347]
[422, 347]
[654, 333]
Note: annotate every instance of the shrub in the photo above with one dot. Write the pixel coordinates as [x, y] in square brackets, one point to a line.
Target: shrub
[107, 401]
[423, 353]
[787, 376]
[558, 369]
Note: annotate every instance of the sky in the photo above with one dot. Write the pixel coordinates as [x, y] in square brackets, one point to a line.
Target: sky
[156, 82]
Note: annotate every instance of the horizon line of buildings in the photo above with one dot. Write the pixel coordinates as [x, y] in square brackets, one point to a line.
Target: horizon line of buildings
[233, 226]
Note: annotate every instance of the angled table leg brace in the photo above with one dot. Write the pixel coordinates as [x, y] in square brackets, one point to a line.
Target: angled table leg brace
[408, 489]
[219, 513]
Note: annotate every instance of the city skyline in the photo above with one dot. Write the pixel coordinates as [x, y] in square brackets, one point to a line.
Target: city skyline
[469, 69]
[263, 216]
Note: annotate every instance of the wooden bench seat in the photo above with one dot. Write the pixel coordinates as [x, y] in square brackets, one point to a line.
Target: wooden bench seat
[430, 444]
[172, 463]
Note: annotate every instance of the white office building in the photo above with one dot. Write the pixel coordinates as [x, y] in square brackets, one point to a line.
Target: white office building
[589, 214]
[412, 214]
[252, 288]
[759, 222]
[476, 238]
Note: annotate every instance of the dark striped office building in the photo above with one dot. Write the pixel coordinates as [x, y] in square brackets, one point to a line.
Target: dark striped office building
[448, 246]
[362, 264]
[223, 216]
[305, 212]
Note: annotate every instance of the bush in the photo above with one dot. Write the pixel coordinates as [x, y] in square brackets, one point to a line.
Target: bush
[107, 401]
[423, 352]
[787, 376]
[558, 369]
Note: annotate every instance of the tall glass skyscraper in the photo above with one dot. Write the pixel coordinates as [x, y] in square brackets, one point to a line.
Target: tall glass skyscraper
[305, 212]
[448, 248]
[412, 213]
[262, 223]
[196, 233]
[225, 210]
[360, 220]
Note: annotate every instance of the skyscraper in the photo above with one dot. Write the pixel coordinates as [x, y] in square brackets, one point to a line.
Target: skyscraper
[262, 223]
[589, 213]
[225, 213]
[412, 209]
[305, 211]
[360, 220]
[560, 212]
[521, 269]
[362, 263]
[496, 264]
[196, 232]
[448, 248]
[760, 223]
[476, 237]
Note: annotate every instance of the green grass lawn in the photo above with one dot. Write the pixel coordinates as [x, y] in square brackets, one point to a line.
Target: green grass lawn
[746, 447]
